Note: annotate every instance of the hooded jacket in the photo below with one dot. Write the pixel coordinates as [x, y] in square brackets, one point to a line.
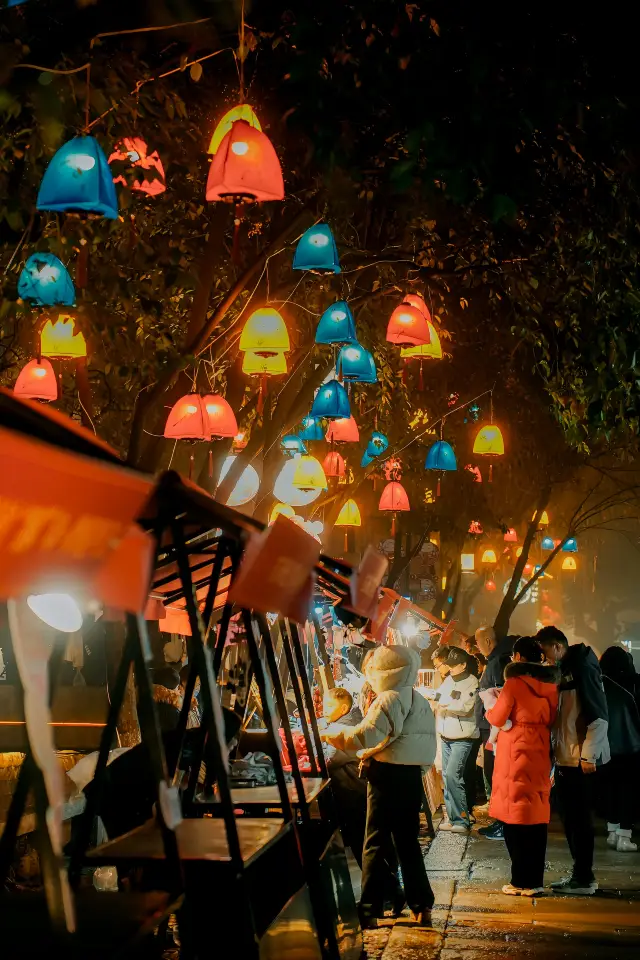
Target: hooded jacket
[493, 675]
[580, 730]
[623, 730]
[399, 726]
[456, 700]
[522, 772]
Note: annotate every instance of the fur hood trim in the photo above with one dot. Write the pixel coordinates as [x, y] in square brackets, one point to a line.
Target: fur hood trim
[392, 667]
[536, 670]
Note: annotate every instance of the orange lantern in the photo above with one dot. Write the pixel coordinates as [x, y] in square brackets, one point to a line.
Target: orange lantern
[222, 419]
[333, 465]
[511, 536]
[408, 326]
[343, 430]
[37, 381]
[188, 419]
[394, 499]
[59, 340]
[240, 112]
[245, 167]
[136, 151]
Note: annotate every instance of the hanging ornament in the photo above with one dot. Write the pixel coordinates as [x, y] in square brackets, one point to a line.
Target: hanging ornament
[394, 499]
[349, 516]
[59, 340]
[511, 536]
[475, 528]
[135, 150]
[265, 333]
[246, 486]
[293, 444]
[336, 325]
[477, 475]
[490, 585]
[378, 444]
[569, 563]
[256, 365]
[356, 364]
[334, 465]
[241, 111]
[195, 417]
[441, 457]
[311, 429]
[308, 474]
[489, 442]
[45, 282]
[37, 381]
[474, 412]
[544, 519]
[245, 167]
[78, 179]
[343, 430]
[285, 491]
[281, 508]
[431, 350]
[547, 543]
[408, 326]
[489, 556]
[316, 251]
[570, 545]
[331, 402]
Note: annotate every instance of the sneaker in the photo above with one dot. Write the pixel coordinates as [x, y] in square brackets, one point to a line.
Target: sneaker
[612, 839]
[625, 845]
[574, 888]
[533, 892]
[459, 828]
[495, 831]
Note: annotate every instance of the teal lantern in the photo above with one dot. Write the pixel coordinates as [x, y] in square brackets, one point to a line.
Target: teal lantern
[337, 324]
[45, 281]
[311, 429]
[378, 444]
[570, 545]
[317, 251]
[441, 457]
[293, 444]
[366, 459]
[331, 402]
[547, 543]
[78, 178]
[355, 363]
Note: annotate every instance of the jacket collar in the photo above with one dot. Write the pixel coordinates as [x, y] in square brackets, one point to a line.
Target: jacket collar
[535, 670]
[460, 676]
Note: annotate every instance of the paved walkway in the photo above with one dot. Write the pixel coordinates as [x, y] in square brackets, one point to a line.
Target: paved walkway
[474, 920]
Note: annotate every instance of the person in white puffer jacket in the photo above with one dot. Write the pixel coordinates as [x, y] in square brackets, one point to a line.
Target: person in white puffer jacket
[397, 740]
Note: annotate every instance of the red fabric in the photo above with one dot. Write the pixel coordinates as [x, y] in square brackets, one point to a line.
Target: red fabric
[521, 784]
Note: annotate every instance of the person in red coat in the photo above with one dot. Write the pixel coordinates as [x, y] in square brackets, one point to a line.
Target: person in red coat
[524, 712]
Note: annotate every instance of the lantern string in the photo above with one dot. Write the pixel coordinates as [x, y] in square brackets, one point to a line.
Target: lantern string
[170, 26]
[241, 52]
[87, 100]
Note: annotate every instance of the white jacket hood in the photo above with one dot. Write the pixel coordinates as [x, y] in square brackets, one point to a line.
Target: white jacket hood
[391, 668]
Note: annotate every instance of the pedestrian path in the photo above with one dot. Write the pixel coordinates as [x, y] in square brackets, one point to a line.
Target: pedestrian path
[474, 920]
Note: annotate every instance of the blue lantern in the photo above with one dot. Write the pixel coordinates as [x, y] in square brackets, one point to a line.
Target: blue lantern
[337, 324]
[355, 363]
[441, 457]
[45, 281]
[317, 251]
[547, 543]
[366, 459]
[312, 429]
[377, 444]
[331, 401]
[570, 545]
[78, 178]
[293, 444]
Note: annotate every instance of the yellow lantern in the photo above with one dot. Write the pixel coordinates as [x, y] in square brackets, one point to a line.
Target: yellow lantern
[281, 508]
[489, 556]
[468, 562]
[265, 332]
[308, 474]
[349, 516]
[433, 349]
[569, 563]
[58, 340]
[241, 112]
[519, 552]
[489, 441]
[254, 365]
[544, 519]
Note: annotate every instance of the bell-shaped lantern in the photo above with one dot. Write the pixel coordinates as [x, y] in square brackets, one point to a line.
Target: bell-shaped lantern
[366, 459]
[431, 350]
[188, 419]
[489, 556]
[336, 324]
[265, 333]
[293, 444]
[331, 401]
[286, 492]
[135, 151]
[59, 340]
[245, 167]
[441, 457]
[308, 474]
[221, 418]
[355, 363]
[45, 281]
[378, 444]
[316, 251]
[490, 586]
[240, 112]
[246, 486]
[37, 381]
[394, 497]
[344, 430]
[489, 441]
[333, 465]
[511, 536]
[519, 552]
[349, 515]
[570, 545]
[547, 543]
[569, 563]
[408, 326]
[311, 429]
[281, 508]
[257, 365]
[78, 178]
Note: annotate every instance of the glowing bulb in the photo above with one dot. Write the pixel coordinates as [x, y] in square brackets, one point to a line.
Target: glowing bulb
[411, 628]
[81, 162]
[191, 408]
[338, 315]
[57, 610]
[240, 148]
[213, 408]
[39, 372]
[133, 155]
[405, 318]
[47, 274]
[352, 353]
[319, 239]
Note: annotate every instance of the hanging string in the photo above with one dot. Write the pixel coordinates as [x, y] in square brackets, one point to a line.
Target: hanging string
[87, 101]
[242, 52]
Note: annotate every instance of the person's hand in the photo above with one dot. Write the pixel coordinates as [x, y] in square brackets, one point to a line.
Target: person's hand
[587, 767]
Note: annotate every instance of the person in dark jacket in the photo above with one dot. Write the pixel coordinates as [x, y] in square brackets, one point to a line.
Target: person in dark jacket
[621, 774]
[580, 744]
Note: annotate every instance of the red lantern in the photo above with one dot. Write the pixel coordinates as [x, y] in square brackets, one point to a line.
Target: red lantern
[490, 586]
[222, 419]
[408, 325]
[415, 300]
[394, 497]
[511, 536]
[135, 150]
[333, 465]
[199, 418]
[245, 167]
[344, 430]
[37, 381]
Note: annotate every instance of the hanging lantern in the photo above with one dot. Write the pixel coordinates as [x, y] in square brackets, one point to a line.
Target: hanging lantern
[293, 444]
[489, 556]
[333, 465]
[468, 562]
[316, 251]
[519, 552]
[256, 365]
[265, 333]
[408, 326]
[528, 569]
[45, 281]
[489, 441]
[394, 498]
[477, 475]
[58, 339]
[570, 545]
[331, 401]
[37, 381]
[441, 457]
[188, 419]
[569, 563]
[311, 429]
[490, 586]
[284, 490]
[240, 112]
[245, 167]
[308, 474]
[357, 364]
[475, 528]
[281, 508]
[221, 418]
[336, 324]
[349, 515]
[431, 350]
[511, 536]
[378, 444]
[246, 486]
[547, 543]
[135, 150]
[343, 430]
[78, 178]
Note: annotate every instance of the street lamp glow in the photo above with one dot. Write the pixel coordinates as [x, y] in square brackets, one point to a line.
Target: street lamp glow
[57, 610]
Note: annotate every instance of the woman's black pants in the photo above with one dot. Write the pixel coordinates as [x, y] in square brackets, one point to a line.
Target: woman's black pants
[527, 846]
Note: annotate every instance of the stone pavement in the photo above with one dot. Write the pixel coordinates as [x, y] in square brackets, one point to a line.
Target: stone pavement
[474, 920]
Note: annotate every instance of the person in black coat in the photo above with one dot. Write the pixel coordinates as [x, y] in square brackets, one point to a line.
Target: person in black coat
[622, 772]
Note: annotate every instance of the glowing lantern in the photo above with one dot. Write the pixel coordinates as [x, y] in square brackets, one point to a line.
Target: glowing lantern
[58, 340]
[135, 150]
[355, 363]
[265, 333]
[528, 569]
[344, 430]
[285, 491]
[547, 543]
[519, 552]
[408, 326]
[241, 112]
[477, 475]
[489, 441]
[222, 419]
[256, 365]
[336, 324]
[468, 562]
[333, 465]
[188, 419]
[349, 515]
[475, 528]
[293, 444]
[245, 167]
[246, 487]
[331, 401]
[45, 281]
[569, 563]
[378, 444]
[431, 350]
[281, 508]
[490, 586]
[441, 457]
[308, 474]
[489, 556]
[37, 381]
[312, 429]
[570, 545]
[317, 251]
[394, 499]
[78, 178]
[511, 536]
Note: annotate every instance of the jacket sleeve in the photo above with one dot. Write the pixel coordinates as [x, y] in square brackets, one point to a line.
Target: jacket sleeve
[499, 714]
[375, 731]
[460, 702]
[593, 706]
